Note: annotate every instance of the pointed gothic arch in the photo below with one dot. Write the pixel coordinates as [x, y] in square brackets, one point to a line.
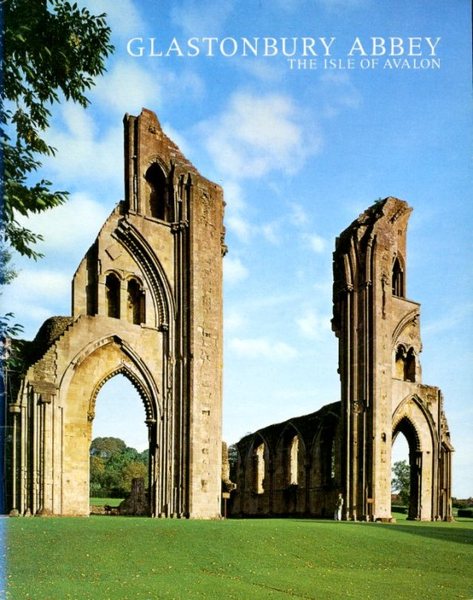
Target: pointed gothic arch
[407, 428]
[324, 453]
[120, 412]
[151, 406]
[161, 296]
[398, 277]
[405, 363]
[112, 295]
[136, 301]
[135, 312]
[157, 192]
[413, 419]
[259, 460]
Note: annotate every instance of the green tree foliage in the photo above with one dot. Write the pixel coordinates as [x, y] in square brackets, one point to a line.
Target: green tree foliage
[52, 50]
[232, 455]
[107, 447]
[8, 329]
[400, 483]
[132, 470]
[113, 466]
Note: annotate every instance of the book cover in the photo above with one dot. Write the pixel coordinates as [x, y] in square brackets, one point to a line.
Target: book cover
[305, 113]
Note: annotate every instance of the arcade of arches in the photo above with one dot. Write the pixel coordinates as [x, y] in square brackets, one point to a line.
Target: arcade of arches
[147, 304]
[346, 447]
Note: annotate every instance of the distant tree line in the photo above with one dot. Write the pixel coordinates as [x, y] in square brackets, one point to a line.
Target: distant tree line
[462, 502]
[400, 483]
[113, 466]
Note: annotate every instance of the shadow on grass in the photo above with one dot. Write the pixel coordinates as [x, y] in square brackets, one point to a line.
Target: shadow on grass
[442, 531]
[447, 532]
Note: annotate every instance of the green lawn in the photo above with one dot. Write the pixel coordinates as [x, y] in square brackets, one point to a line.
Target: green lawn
[105, 501]
[124, 558]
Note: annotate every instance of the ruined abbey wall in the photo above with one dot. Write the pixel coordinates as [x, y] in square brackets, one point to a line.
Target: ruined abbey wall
[382, 396]
[146, 303]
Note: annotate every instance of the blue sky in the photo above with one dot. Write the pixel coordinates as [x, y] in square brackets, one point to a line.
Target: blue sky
[300, 153]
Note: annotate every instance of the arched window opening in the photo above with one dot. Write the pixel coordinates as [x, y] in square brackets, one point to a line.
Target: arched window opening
[398, 279]
[328, 454]
[112, 291]
[258, 469]
[405, 364]
[135, 302]
[400, 475]
[292, 477]
[410, 366]
[119, 450]
[406, 467]
[157, 193]
[91, 288]
[400, 362]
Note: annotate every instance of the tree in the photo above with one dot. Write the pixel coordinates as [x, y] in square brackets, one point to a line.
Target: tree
[51, 50]
[97, 471]
[113, 466]
[400, 483]
[232, 455]
[107, 447]
[131, 471]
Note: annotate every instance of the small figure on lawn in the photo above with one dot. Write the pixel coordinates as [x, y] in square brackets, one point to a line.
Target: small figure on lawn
[338, 508]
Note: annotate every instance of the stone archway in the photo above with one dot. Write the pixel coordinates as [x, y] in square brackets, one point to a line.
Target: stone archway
[81, 388]
[146, 302]
[406, 428]
[118, 428]
[414, 421]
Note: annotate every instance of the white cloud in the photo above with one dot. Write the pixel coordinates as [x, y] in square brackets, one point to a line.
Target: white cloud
[35, 295]
[70, 227]
[186, 82]
[235, 208]
[262, 70]
[43, 283]
[271, 232]
[81, 152]
[122, 17]
[127, 88]
[313, 326]
[339, 93]
[254, 348]
[298, 215]
[257, 134]
[239, 226]
[197, 18]
[316, 243]
[234, 270]
[233, 196]
[85, 150]
[233, 320]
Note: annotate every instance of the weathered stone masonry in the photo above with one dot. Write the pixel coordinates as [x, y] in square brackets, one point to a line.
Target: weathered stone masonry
[147, 303]
[382, 395]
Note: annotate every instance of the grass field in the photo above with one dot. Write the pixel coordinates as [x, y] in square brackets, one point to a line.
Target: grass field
[124, 558]
[105, 501]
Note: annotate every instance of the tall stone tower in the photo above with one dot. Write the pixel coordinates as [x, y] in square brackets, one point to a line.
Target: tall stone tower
[146, 303]
[382, 393]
